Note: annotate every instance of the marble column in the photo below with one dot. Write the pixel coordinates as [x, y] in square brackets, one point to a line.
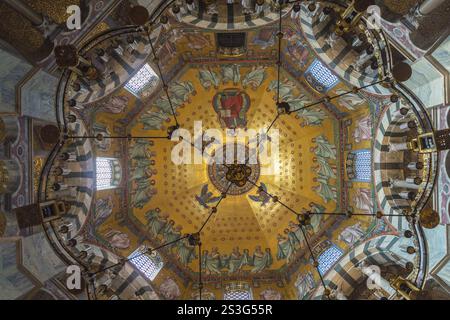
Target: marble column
[402, 113]
[363, 58]
[408, 183]
[405, 126]
[259, 6]
[398, 146]
[190, 4]
[428, 6]
[68, 156]
[415, 166]
[407, 195]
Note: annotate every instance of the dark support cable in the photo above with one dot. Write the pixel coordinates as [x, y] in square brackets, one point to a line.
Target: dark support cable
[280, 37]
[117, 137]
[200, 284]
[165, 87]
[92, 281]
[334, 97]
[316, 263]
[358, 214]
[272, 123]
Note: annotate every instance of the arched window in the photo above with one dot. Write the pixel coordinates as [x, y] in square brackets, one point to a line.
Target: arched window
[143, 79]
[362, 165]
[328, 258]
[320, 77]
[238, 291]
[149, 264]
[108, 173]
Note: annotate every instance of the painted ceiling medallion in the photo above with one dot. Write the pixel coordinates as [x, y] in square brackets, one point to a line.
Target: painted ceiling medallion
[234, 172]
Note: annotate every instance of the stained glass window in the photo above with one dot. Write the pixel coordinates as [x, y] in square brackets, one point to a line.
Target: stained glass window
[328, 258]
[362, 165]
[108, 173]
[148, 264]
[238, 291]
[321, 76]
[143, 79]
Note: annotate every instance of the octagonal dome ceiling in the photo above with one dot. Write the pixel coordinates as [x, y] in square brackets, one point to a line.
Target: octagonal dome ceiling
[250, 235]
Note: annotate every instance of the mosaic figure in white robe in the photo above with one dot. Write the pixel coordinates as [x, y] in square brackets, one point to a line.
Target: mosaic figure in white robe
[254, 78]
[363, 129]
[326, 191]
[208, 79]
[310, 117]
[153, 120]
[231, 73]
[352, 234]
[350, 100]
[363, 200]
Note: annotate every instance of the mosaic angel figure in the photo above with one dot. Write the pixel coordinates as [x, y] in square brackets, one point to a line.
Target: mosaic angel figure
[206, 197]
[254, 78]
[324, 189]
[231, 73]
[208, 79]
[262, 197]
[153, 120]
